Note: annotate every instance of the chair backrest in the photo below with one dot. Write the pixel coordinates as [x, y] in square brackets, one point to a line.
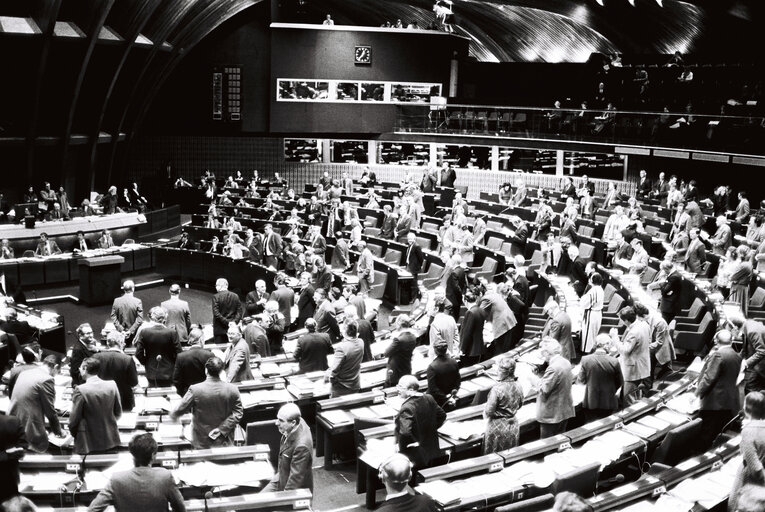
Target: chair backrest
[615, 304]
[28, 254]
[481, 396]
[679, 444]
[757, 300]
[423, 242]
[581, 481]
[128, 241]
[372, 231]
[377, 250]
[265, 432]
[535, 504]
[430, 226]
[608, 293]
[586, 251]
[393, 256]
[648, 275]
[370, 221]
[494, 243]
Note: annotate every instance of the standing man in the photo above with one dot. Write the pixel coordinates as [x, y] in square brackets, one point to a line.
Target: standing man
[305, 303]
[471, 332]
[12, 445]
[157, 348]
[443, 376]
[85, 347]
[216, 408]
[118, 367]
[414, 260]
[417, 423]
[237, 356]
[365, 269]
[696, 254]
[255, 302]
[255, 334]
[558, 327]
[272, 247]
[395, 473]
[190, 364]
[752, 335]
[340, 254]
[602, 377]
[456, 284]
[635, 355]
[554, 403]
[644, 185]
[388, 223]
[325, 316]
[285, 297]
[226, 308]
[144, 488]
[501, 317]
[95, 410]
[399, 352]
[717, 388]
[448, 176]
[312, 349]
[322, 277]
[32, 402]
[178, 313]
[670, 292]
[723, 237]
[127, 312]
[345, 369]
[294, 470]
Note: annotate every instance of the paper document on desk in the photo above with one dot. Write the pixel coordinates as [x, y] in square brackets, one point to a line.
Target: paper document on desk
[156, 403]
[371, 379]
[687, 403]
[250, 473]
[463, 430]
[169, 431]
[378, 451]
[127, 421]
[383, 410]
[60, 442]
[45, 480]
[442, 492]
[337, 416]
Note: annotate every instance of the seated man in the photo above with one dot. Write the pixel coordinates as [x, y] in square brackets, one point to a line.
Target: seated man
[395, 474]
[46, 247]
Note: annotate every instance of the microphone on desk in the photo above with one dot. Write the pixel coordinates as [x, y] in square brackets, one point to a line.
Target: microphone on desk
[208, 496]
[617, 479]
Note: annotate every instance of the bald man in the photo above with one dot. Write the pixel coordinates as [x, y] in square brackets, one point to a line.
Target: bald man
[127, 312]
[295, 452]
[395, 474]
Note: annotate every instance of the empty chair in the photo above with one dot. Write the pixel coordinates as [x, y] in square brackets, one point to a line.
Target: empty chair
[679, 444]
[378, 285]
[608, 293]
[615, 304]
[372, 231]
[494, 243]
[494, 225]
[28, 254]
[265, 432]
[692, 314]
[430, 226]
[586, 251]
[370, 221]
[694, 338]
[393, 256]
[423, 242]
[128, 241]
[648, 275]
[757, 300]
[377, 250]
[581, 481]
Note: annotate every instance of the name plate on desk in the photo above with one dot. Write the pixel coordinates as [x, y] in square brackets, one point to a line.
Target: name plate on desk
[101, 261]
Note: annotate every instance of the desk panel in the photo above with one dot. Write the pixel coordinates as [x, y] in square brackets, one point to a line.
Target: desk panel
[56, 271]
[141, 259]
[32, 273]
[11, 271]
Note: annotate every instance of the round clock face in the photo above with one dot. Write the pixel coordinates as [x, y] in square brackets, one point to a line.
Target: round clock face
[363, 54]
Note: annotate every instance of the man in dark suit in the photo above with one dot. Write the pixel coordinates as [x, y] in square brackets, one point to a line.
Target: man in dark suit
[661, 189]
[554, 403]
[12, 445]
[399, 352]
[443, 376]
[255, 334]
[294, 470]
[285, 297]
[558, 327]
[237, 356]
[216, 408]
[255, 301]
[395, 474]
[157, 348]
[312, 349]
[471, 331]
[345, 369]
[388, 223]
[413, 260]
[85, 347]
[190, 364]
[644, 185]
[178, 313]
[272, 247]
[752, 335]
[417, 423]
[717, 388]
[670, 292]
[456, 284]
[448, 176]
[95, 410]
[602, 376]
[322, 275]
[32, 402]
[226, 308]
[118, 367]
[127, 312]
[144, 488]
[697, 252]
[325, 316]
[24, 332]
[305, 303]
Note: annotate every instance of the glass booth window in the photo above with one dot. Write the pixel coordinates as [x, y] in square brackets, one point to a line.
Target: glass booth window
[372, 91]
[349, 151]
[414, 93]
[302, 150]
[399, 153]
[347, 91]
[470, 157]
[303, 90]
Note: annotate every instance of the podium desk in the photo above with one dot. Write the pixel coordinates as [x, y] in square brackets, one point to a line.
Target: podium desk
[100, 279]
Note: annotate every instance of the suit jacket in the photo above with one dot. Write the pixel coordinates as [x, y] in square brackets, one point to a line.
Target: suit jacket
[717, 386]
[294, 469]
[443, 377]
[367, 336]
[254, 302]
[340, 255]
[32, 401]
[399, 354]
[409, 503]
[127, 314]
[286, 299]
[448, 178]
[148, 489]
[237, 360]
[7, 254]
[388, 225]
[554, 402]
[456, 283]
[499, 313]
[324, 280]
[52, 248]
[326, 321]
[753, 350]
[156, 348]
[670, 293]
[418, 421]
[213, 404]
[635, 356]
[644, 187]
[403, 226]
[178, 317]
[471, 332]
[345, 367]
[602, 376]
[559, 328]
[414, 259]
[190, 368]
[722, 239]
[306, 305]
[119, 368]
[312, 351]
[696, 256]
[257, 339]
[319, 245]
[11, 436]
[226, 307]
[661, 346]
[93, 420]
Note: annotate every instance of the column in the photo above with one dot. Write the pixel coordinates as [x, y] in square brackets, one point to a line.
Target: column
[495, 158]
[559, 163]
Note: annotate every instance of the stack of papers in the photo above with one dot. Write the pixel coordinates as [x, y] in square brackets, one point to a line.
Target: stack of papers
[463, 430]
[250, 473]
[687, 403]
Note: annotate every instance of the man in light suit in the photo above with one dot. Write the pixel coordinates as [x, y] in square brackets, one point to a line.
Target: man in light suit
[742, 210]
[105, 241]
[12, 445]
[325, 315]
[417, 423]
[554, 403]
[717, 388]
[634, 354]
[6, 251]
[95, 409]
[272, 247]
[602, 376]
[216, 408]
[340, 254]
[365, 269]
[144, 488]
[502, 320]
[226, 308]
[285, 297]
[118, 367]
[558, 327]
[318, 242]
[157, 347]
[190, 364]
[696, 254]
[723, 237]
[403, 227]
[178, 313]
[32, 401]
[46, 247]
[237, 356]
[312, 349]
[295, 466]
[127, 312]
[255, 301]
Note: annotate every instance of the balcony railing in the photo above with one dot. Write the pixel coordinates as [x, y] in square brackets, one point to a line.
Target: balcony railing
[734, 134]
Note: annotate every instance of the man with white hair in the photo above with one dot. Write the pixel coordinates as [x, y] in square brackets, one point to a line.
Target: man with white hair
[554, 403]
[723, 237]
[602, 377]
[752, 335]
[417, 423]
[226, 308]
[365, 269]
[634, 354]
[395, 473]
[237, 356]
[294, 470]
[558, 327]
[255, 301]
[127, 312]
